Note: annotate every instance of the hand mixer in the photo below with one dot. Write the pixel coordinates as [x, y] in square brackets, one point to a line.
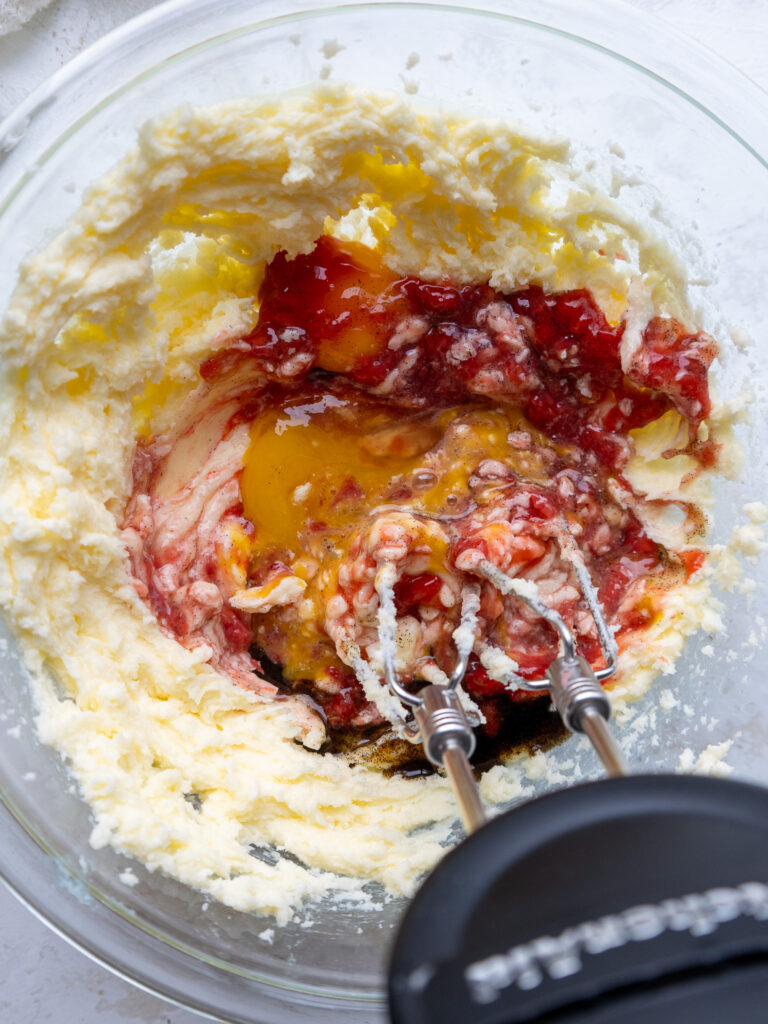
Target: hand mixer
[605, 903]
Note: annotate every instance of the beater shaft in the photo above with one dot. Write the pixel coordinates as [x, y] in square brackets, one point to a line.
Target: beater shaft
[595, 728]
[441, 726]
[584, 707]
[459, 772]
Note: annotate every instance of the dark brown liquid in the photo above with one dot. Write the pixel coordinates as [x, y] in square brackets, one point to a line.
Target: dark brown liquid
[530, 726]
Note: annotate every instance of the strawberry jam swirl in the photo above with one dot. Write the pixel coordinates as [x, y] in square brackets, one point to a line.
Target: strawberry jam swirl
[371, 418]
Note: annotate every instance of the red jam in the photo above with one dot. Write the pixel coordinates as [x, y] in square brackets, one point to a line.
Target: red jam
[337, 308]
[338, 312]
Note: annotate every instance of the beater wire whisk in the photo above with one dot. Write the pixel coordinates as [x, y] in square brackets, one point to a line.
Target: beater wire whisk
[444, 727]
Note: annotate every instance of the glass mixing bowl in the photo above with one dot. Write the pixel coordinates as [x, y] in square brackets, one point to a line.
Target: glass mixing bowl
[680, 136]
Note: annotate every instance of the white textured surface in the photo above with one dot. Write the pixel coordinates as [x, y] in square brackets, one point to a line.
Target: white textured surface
[14, 13]
[42, 979]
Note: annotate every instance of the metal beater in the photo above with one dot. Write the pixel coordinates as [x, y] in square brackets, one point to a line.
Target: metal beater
[442, 725]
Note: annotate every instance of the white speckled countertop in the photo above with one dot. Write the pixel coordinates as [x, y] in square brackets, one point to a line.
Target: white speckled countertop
[43, 979]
